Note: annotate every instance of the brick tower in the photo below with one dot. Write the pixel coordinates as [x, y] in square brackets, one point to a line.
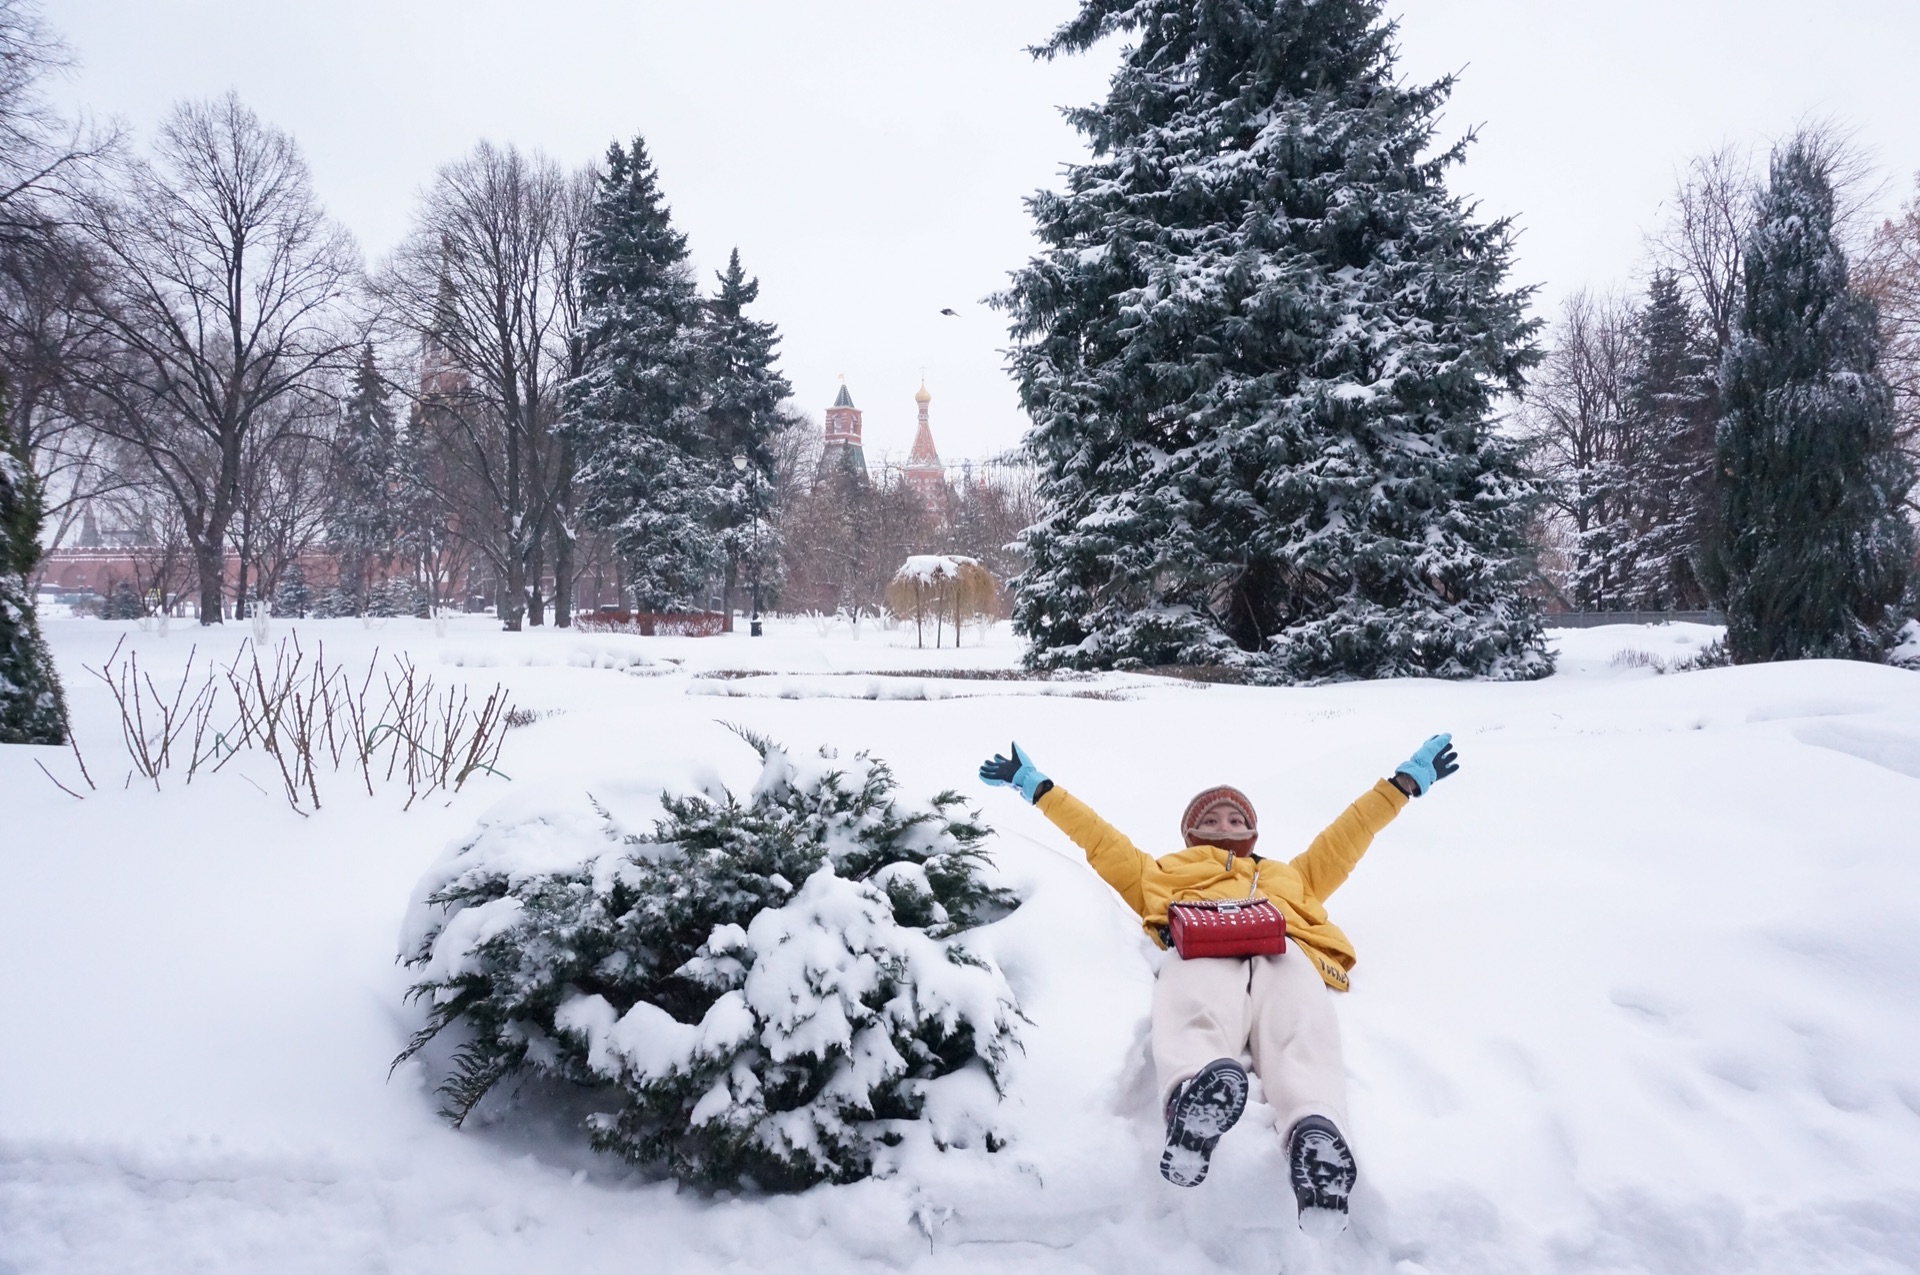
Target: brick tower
[925, 474]
[843, 433]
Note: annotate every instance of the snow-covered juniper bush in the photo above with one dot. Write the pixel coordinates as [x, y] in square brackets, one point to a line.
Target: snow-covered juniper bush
[770, 990]
[1260, 353]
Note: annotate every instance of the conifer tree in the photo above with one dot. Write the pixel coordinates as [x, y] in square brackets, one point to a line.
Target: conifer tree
[1812, 550]
[744, 393]
[32, 707]
[649, 473]
[122, 602]
[294, 598]
[1260, 355]
[363, 522]
[1671, 407]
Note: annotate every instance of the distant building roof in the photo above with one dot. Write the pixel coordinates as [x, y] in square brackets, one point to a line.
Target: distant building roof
[845, 399]
[924, 455]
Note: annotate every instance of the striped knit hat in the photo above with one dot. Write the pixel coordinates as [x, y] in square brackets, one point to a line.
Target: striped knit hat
[1221, 796]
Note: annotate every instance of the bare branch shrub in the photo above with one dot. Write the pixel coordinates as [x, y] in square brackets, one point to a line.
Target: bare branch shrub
[310, 717]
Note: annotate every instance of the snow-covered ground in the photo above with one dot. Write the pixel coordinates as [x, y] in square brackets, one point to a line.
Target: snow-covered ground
[1639, 989]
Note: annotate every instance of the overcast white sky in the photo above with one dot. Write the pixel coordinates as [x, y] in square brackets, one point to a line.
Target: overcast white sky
[868, 157]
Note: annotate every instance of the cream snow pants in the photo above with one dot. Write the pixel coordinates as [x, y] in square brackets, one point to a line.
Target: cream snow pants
[1216, 1007]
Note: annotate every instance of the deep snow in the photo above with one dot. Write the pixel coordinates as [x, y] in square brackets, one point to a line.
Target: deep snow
[1639, 989]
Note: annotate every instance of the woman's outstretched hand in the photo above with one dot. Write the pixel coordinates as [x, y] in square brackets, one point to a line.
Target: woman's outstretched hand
[1017, 771]
[1434, 761]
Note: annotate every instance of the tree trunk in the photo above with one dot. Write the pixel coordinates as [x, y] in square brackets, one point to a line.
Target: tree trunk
[726, 597]
[514, 511]
[563, 543]
[514, 595]
[240, 579]
[536, 564]
[563, 581]
[213, 589]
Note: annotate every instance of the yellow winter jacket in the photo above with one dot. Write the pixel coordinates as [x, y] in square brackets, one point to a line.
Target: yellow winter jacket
[1297, 888]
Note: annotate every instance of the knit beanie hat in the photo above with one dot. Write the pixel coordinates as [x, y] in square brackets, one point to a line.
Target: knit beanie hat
[1221, 796]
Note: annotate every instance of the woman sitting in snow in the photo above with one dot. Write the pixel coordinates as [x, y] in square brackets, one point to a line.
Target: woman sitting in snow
[1208, 1009]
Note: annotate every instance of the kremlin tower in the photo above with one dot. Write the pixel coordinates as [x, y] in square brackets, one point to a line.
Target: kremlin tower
[925, 474]
[843, 432]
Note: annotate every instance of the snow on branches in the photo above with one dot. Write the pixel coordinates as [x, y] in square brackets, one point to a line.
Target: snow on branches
[771, 990]
[1260, 350]
[944, 587]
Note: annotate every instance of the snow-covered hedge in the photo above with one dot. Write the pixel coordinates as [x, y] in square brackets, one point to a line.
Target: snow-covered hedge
[772, 991]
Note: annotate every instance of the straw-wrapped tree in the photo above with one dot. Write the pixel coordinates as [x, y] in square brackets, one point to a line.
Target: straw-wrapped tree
[943, 588]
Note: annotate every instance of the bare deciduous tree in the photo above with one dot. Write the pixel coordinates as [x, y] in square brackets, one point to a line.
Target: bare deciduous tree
[843, 534]
[40, 153]
[1711, 212]
[284, 504]
[1575, 416]
[1890, 273]
[44, 338]
[1705, 239]
[480, 283]
[42, 266]
[222, 292]
[569, 226]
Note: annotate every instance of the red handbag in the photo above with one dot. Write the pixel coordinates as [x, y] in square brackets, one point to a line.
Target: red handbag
[1227, 927]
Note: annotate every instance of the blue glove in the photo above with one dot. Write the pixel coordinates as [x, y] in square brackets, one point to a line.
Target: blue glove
[1016, 772]
[1433, 762]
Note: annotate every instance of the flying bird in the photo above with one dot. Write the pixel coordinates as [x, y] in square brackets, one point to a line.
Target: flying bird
[950, 314]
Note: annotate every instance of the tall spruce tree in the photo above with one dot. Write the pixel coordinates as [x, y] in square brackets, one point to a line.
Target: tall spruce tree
[1671, 404]
[1260, 356]
[32, 708]
[1812, 550]
[649, 472]
[363, 522]
[744, 393]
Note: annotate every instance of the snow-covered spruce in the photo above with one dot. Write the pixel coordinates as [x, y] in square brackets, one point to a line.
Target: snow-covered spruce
[369, 478]
[1260, 353]
[1814, 549]
[649, 474]
[1672, 403]
[772, 991]
[32, 708]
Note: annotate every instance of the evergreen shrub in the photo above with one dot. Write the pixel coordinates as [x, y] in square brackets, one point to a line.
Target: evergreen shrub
[123, 603]
[397, 597]
[771, 990]
[332, 603]
[293, 598]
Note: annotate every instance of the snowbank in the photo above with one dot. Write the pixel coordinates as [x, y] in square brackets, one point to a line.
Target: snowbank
[1639, 989]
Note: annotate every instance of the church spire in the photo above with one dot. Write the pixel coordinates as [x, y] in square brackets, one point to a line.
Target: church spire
[925, 474]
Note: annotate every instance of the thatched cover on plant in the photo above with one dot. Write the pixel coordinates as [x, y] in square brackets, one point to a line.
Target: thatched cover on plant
[946, 588]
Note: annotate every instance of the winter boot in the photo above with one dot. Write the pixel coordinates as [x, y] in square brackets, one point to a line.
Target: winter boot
[1201, 1109]
[1323, 1173]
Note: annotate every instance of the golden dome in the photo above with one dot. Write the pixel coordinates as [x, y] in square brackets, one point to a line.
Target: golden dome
[923, 396]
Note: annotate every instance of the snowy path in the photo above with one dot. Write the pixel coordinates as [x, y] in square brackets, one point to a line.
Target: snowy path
[1639, 990]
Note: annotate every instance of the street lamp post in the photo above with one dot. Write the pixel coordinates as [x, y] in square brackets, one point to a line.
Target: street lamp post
[753, 486]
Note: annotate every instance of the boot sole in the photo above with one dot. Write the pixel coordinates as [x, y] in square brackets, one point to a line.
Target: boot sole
[1322, 1204]
[1211, 1104]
